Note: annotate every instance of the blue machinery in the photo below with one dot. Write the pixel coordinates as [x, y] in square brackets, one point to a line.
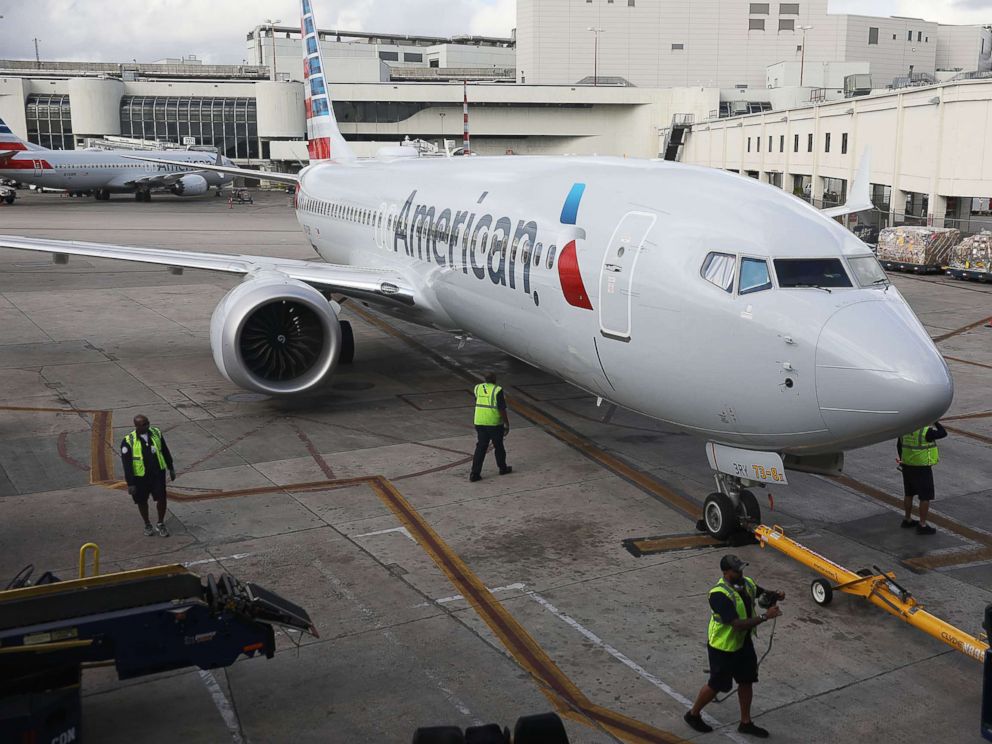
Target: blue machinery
[143, 622]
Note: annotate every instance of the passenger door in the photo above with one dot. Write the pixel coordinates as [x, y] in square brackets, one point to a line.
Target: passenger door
[617, 274]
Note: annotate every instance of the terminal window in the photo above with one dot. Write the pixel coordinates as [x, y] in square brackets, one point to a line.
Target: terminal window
[872, 34]
[786, 24]
[826, 142]
[788, 9]
[389, 56]
[843, 144]
[756, 24]
[49, 121]
[229, 124]
[759, 8]
[413, 57]
[795, 143]
[677, 47]
[809, 143]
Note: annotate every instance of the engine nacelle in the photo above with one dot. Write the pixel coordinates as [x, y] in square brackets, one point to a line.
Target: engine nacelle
[191, 185]
[275, 335]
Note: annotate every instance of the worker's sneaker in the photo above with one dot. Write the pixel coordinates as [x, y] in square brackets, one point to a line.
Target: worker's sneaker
[162, 530]
[149, 530]
[908, 523]
[927, 529]
[473, 478]
[507, 469]
[697, 723]
[752, 730]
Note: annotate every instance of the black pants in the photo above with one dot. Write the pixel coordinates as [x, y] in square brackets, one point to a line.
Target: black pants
[487, 434]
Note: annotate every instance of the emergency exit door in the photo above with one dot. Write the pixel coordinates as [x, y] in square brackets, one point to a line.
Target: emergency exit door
[38, 168]
[616, 280]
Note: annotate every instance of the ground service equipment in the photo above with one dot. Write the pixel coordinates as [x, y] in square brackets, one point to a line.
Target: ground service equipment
[143, 622]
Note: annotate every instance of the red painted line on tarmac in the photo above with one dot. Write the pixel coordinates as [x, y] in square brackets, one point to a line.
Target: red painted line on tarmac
[215, 452]
[958, 331]
[66, 457]
[312, 450]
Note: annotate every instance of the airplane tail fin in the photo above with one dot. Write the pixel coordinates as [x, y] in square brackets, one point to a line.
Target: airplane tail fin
[11, 143]
[324, 140]
[859, 194]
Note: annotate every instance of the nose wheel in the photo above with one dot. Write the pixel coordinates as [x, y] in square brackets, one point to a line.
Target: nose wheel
[731, 509]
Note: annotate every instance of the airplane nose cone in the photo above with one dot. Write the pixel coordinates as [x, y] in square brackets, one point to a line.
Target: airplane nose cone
[878, 374]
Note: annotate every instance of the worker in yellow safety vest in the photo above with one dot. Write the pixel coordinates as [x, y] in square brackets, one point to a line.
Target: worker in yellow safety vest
[917, 454]
[491, 425]
[733, 619]
[145, 457]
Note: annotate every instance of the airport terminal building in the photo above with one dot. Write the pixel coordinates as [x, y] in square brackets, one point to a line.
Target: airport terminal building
[637, 79]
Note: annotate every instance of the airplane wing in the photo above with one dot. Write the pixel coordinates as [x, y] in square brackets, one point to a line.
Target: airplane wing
[859, 195]
[232, 170]
[163, 179]
[371, 284]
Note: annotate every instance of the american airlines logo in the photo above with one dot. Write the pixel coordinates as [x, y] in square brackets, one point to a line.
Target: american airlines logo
[489, 246]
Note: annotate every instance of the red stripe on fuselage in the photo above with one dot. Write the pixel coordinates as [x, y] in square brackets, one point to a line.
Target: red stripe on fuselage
[22, 164]
[571, 280]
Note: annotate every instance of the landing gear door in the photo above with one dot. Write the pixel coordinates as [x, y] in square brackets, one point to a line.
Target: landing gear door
[617, 274]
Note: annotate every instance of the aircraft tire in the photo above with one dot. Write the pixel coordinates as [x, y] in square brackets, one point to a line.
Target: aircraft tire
[347, 343]
[9, 198]
[489, 734]
[543, 728]
[720, 516]
[438, 735]
[821, 592]
[750, 506]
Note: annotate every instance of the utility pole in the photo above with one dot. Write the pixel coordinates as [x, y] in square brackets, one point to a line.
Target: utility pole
[595, 58]
[37, 57]
[802, 62]
[272, 37]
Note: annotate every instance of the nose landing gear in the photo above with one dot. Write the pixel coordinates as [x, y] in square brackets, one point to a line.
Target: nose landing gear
[729, 510]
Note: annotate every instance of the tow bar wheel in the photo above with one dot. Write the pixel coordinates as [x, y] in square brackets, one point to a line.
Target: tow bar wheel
[719, 516]
[822, 592]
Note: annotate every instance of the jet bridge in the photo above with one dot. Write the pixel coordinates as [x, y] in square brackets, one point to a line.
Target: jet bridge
[142, 622]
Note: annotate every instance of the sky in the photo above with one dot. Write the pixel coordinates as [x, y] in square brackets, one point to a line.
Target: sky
[215, 30]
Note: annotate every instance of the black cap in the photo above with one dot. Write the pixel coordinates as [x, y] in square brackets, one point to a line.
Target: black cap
[731, 562]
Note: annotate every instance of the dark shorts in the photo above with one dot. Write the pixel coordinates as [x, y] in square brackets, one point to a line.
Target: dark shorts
[726, 668]
[153, 486]
[917, 481]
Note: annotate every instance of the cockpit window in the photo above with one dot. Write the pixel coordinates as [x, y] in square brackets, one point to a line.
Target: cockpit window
[754, 275]
[718, 269]
[868, 271]
[811, 272]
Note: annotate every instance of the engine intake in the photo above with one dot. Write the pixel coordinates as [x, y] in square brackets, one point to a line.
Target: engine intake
[192, 185]
[275, 335]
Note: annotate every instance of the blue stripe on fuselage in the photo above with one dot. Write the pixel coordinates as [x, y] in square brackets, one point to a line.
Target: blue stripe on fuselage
[570, 211]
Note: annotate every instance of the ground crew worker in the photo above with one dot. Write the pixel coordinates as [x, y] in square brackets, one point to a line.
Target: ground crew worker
[917, 455]
[491, 425]
[731, 652]
[145, 457]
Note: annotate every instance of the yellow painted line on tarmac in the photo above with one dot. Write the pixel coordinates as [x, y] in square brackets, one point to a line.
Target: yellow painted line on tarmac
[651, 545]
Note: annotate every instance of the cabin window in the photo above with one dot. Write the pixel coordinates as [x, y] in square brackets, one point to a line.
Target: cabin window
[718, 269]
[754, 275]
[552, 250]
[811, 272]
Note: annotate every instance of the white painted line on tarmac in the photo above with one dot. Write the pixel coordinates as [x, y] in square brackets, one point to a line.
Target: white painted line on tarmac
[235, 557]
[456, 597]
[223, 706]
[631, 664]
[401, 530]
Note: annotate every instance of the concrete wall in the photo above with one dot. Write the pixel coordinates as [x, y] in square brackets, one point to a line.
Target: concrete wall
[964, 48]
[281, 110]
[891, 57]
[931, 140]
[96, 106]
[13, 94]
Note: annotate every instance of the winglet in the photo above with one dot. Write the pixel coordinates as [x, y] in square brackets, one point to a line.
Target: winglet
[859, 195]
[324, 140]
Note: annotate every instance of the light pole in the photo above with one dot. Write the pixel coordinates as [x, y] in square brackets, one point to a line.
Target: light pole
[442, 115]
[802, 61]
[595, 59]
[272, 37]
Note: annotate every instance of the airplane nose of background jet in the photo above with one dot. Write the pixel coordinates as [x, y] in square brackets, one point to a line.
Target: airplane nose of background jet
[878, 374]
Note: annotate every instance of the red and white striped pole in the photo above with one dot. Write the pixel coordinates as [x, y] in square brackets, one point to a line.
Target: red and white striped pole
[466, 144]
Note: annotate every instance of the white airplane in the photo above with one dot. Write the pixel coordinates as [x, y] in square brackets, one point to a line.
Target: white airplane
[106, 172]
[724, 307]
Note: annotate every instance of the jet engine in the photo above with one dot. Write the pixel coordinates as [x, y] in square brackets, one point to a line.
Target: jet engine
[191, 185]
[275, 335]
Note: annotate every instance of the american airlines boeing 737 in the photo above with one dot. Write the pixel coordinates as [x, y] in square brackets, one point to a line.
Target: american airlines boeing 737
[106, 172]
[725, 307]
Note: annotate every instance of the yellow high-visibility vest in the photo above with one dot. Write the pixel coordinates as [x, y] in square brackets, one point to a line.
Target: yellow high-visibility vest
[138, 456]
[723, 636]
[916, 450]
[486, 411]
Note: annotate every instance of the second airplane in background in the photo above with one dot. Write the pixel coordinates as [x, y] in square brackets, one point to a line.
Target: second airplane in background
[106, 172]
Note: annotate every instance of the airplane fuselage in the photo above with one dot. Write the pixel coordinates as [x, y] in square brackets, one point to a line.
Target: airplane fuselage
[89, 170]
[592, 269]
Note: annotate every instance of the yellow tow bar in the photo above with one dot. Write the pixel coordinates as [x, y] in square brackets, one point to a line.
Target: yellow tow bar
[878, 588]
